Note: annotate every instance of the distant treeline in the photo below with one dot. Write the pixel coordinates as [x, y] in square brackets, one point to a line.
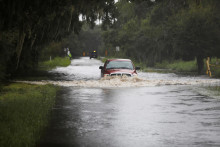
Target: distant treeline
[87, 40]
[154, 31]
[27, 27]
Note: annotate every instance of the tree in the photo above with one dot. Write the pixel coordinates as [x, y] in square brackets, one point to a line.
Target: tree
[167, 30]
[27, 26]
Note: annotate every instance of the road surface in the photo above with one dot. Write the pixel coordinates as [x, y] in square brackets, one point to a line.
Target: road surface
[153, 110]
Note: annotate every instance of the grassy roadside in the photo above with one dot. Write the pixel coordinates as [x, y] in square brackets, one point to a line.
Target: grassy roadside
[24, 111]
[178, 66]
[57, 61]
[25, 108]
[189, 67]
[44, 66]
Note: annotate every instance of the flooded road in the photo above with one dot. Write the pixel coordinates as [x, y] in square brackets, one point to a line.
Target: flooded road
[150, 110]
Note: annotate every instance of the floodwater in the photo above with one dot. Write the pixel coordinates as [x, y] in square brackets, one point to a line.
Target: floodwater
[151, 110]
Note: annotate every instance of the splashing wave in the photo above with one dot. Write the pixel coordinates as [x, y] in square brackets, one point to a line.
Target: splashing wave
[126, 82]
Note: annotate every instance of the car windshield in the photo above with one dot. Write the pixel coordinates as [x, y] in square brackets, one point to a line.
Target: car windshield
[119, 65]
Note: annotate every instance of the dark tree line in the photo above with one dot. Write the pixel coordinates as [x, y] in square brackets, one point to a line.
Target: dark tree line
[148, 31]
[26, 27]
[154, 31]
[87, 40]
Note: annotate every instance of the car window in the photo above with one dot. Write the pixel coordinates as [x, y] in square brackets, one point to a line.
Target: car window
[119, 65]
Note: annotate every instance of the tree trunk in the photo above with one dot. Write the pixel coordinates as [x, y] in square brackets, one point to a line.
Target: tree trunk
[200, 64]
[70, 20]
[57, 29]
[34, 52]
[19, 46]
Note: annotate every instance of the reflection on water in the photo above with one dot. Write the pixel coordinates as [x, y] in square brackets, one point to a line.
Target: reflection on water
[128, 117]
[151, 110]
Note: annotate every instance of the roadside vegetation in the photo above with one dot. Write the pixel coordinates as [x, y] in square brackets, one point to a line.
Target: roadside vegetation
[26, 29]
[25, 108]
[179, 66]
[171, 33]
[57, 61]
[24, 112]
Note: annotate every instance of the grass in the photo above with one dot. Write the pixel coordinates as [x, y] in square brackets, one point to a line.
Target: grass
[190, 66]
[25, 108]
[24, 111]
[178, 66]
[57, 61]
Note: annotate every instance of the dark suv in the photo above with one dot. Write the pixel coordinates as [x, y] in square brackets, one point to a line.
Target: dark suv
[93, 54]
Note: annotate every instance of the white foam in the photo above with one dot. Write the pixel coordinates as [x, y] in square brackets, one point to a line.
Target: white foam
[127, 82]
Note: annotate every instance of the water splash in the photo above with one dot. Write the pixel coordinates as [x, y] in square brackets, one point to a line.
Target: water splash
[84, 72]
[127, 82]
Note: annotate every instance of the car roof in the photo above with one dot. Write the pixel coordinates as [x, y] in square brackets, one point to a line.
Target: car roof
[118, 60]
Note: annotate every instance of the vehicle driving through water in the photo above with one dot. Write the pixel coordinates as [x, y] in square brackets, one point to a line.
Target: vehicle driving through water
[93, 54]
[118, 67]
[150, 110]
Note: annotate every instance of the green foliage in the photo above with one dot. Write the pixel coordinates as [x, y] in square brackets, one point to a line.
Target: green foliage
[179, 65]
[167, 30]
[57, 61]
[89, 39]
[126, 11]
[28, 27]
[24, 111]
[54, 49]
